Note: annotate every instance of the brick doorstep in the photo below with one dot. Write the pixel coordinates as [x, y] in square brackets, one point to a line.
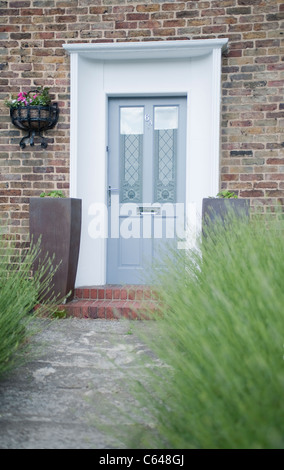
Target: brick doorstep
[112, 303]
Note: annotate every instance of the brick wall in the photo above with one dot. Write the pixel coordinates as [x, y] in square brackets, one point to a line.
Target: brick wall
[31, 37]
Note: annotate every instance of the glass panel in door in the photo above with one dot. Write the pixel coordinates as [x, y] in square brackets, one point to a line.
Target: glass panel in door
[131, 153]
[165, 153]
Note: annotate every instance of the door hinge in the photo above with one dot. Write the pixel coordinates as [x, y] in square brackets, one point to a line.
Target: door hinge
[107, 148]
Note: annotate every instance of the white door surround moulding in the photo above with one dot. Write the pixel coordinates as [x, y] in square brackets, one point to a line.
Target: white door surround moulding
[147, 50]
[190, 68]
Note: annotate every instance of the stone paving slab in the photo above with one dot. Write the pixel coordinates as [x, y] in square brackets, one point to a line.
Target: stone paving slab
[77, 381]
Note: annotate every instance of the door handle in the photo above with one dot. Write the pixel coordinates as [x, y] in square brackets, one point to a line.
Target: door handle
[110, 189]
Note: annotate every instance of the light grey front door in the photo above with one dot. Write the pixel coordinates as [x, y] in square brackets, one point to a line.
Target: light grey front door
[146, 184]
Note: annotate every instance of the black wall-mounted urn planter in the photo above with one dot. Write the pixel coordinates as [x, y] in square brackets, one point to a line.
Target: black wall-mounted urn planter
[34, 120]
[58, 222]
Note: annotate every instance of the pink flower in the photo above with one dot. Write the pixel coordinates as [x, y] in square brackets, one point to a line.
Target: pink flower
[21, 96]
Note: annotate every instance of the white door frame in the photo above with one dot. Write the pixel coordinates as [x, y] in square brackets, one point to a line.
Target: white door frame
[98, 71]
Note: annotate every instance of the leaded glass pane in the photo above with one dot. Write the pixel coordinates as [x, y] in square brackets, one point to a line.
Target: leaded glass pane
[165, 165]
[131, 168]
[131, 153]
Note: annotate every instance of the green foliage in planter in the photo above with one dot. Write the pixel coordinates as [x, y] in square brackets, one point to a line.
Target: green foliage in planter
[221, 336]
[38, 97]
[226, 194]
[20, 293]
[54, 193]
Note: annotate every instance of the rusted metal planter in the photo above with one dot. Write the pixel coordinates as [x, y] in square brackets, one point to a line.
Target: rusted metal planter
[219, 208]
[58, 222]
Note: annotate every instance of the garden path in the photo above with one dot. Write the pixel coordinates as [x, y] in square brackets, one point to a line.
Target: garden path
[74, 392]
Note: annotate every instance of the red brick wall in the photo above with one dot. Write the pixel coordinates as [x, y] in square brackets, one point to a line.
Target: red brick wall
[31, 38]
